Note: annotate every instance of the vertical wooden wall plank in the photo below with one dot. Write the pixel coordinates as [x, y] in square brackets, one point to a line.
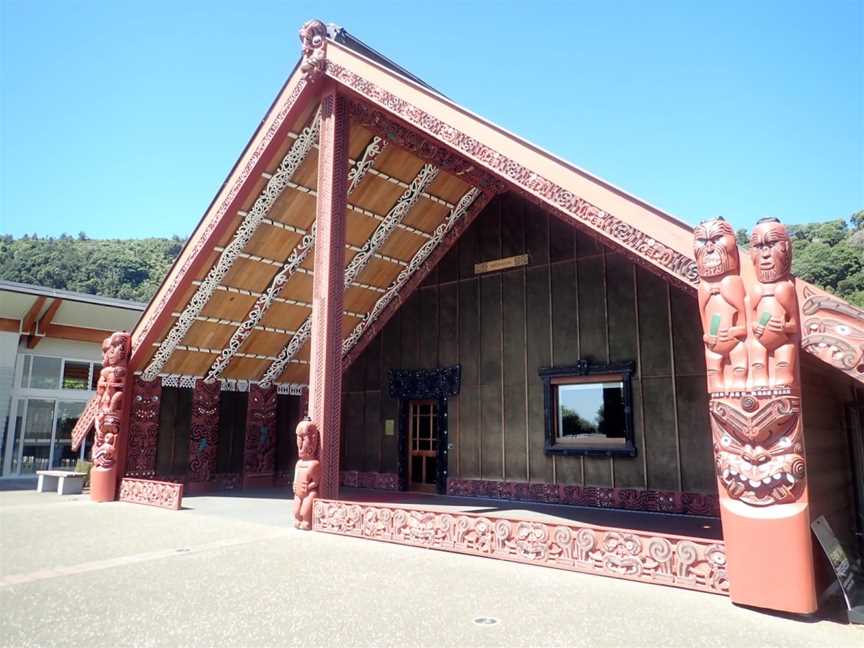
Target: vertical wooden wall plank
[513, 332]
[391, 358]
[538, 356]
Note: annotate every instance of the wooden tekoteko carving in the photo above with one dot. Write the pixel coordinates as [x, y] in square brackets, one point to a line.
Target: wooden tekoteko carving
[307, 473]
[752, 339]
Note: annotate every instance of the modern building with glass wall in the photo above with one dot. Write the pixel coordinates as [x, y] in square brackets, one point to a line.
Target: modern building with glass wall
[50, 358]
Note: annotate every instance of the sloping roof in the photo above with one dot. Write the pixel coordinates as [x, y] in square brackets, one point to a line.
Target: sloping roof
[236, 303]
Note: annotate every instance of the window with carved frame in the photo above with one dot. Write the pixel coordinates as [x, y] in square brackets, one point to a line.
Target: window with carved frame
[588, 409]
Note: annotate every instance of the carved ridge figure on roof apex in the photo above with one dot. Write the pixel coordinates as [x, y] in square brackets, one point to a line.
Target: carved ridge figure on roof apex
[721, 305]
[313, 36]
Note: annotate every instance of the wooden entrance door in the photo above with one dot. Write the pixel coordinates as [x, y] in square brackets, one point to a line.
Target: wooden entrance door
[422, 445]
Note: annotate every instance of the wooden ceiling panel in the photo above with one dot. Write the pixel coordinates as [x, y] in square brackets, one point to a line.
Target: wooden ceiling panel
[258, 185]
[426, 215]
[376, 194]
[245, 368]
[379, 273]
[305, 351]
[360, 300]
[294, 208]
[208, 335]
[285, 316]
[264, 343]
[360, 137]
[359, 228]
[309, 261]
[398, 163]
[402, 245]
[272, 243]
[448, 187]
[295, 373]
[203, 269]
[250, 275]
[299, 287]
[189, 363]
[228, 305]
[307, 174]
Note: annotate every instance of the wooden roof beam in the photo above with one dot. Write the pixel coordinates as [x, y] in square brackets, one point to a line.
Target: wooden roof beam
[282, 300]
[235, 324]
[43, 323]
[395, 216]
[254, 356]
[292, 161]
[31, 316]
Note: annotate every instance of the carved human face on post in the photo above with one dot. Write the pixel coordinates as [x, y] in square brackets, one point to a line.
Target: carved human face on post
[307, 440]
[771, 251]
[312, 35]
[115, 349]
[715, 248]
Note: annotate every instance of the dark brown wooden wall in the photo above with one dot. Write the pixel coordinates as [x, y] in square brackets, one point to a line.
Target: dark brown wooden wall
[575, 299]
[826, 444]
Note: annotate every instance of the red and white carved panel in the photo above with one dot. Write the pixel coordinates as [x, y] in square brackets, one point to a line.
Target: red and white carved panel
[143, 426]
[691, 563]
[168, 495]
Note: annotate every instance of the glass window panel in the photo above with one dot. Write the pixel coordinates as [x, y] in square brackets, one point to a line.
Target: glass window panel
[76, 375]
[67, 415]
[45, 373]
[19, 425]
[25, 372]
[94, 380]
[37, 435]
[591, 411]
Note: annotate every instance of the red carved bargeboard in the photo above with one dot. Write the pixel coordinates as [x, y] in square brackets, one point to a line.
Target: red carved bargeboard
[168, 495]
[621, 498]
[204, 430]
[680, 561]
[143, 426]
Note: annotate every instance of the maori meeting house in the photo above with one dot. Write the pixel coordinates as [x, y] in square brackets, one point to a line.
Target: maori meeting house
[441, 335]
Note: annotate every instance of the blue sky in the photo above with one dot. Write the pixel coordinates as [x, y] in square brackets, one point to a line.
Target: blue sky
[122, 119]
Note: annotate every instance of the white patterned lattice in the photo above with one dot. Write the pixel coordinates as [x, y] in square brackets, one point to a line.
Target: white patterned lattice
[291, 265]
[290, 389]
[416, 262]
[289, 165]
[395, 216]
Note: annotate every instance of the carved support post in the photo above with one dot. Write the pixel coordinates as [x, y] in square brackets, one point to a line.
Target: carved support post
[203, 434]
[143, 426]
[752, 338]
[112, 416]
[325, 364]
[259, 450]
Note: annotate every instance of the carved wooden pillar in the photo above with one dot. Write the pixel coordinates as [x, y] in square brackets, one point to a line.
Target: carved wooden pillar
[325, 364]
[259, 450]
[752, 338]
[203, 434]
[143, 426]
[112, 416]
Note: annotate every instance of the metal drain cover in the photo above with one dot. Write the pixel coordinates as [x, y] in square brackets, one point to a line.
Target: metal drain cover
[485, 621]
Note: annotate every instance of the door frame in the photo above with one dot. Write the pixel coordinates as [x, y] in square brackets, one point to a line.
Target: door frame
[855, 431]
[424, 384]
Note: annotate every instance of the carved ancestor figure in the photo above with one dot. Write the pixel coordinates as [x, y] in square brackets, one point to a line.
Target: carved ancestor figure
[307, 473]
[774, 307]
[313, 35]
[109, 392]
[721, 305]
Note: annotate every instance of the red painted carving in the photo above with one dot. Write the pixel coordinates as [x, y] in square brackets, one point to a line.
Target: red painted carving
[645, 248]
[691, 563]
[143, 426]
[259, 453]
[721, 305]
[109, 389]
[313, 36]
[168, 495]
[85, 422]
[204, 431]
[756, 414]
[622, 498]
[307, 473]
[833, 330]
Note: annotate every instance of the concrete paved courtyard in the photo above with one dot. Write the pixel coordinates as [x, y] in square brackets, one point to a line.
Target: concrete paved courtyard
[229, 571]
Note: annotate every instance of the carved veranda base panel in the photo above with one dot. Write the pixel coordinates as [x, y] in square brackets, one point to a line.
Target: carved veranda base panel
[204, 431]
[168, 495]
[259, 453]
[143, 426]
[679, 561]
[632, 499]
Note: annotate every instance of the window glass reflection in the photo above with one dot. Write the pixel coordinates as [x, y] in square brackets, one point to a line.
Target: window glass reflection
[591, 411]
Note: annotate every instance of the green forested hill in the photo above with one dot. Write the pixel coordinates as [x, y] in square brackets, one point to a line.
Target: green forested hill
[128, 269]
[829, 254]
